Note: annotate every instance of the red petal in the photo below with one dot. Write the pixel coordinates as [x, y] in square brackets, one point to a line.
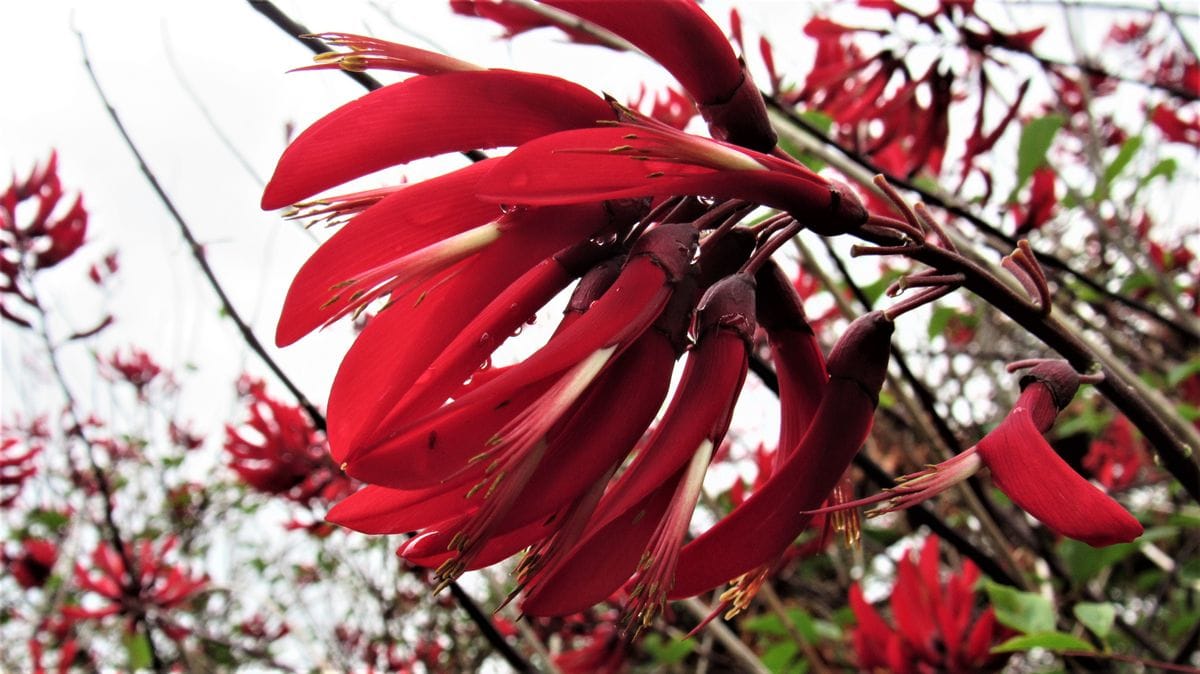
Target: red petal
[430, 551]
[699, 411]
[760, 529]
[578, 166]
[675, 33]
[623, 404]
[870, 634]
[427, 116]
[796, 353]
[1029, 471]
[602, 561]
[406, 221]
[476, 342]
[375, 375]
[379, 510]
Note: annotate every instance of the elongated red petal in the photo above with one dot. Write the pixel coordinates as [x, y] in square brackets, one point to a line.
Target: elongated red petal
[375, 375]
[426, 116]
[796, 354]
[381, 510]
[1027, 469]
[871, 633]
[677, 34]
[603, 431]
[602, 561]
[684, 39]
[475, 342]
[408, 220]
[578, 166]
[762, 527]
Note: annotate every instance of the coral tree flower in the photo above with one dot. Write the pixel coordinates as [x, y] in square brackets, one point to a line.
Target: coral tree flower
[277, 451]
[1027, 469]
[158, 585]
[482, 463]
[936, 627]
[31, 567]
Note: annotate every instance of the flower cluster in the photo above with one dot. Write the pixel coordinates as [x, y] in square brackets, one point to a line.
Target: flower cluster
[37, 231]
[936, 628]
[560, 454]
[134, 582]
[277, 451]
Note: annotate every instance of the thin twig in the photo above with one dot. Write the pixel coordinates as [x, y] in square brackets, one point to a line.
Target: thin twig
[197, 249]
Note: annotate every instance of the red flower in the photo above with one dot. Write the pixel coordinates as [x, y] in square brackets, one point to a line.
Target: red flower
[1026, 468]
[137, 368]
[51, 235]
[16, 466]
[279, 452]
[1041, 205]
[485, 462]
[32, 566]
[1174, 126]
[1116, 457]
[936, 627]
[157, 586]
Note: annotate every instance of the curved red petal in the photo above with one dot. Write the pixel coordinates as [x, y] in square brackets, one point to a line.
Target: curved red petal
[1027, 469]
[760, 529]
[606, 427]
[605, 558]
[375, 375]
[675, 33]
[406, 221]
[588, 165]
[426, 116]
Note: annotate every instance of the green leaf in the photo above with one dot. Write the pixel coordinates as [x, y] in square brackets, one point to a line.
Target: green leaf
[138, 649]
[1056, 642]
[1096, 616]
[1092, 422]
[1025, 612]
[767, 623]
[1165, 168]
[1181, 372]
[821, 122]
[1128, 149]
[939, 319]
[51, 519]
[1036, 138]
[818, 119]
[667, 652]
[780, 655]
[1084, 562]
[218, 652]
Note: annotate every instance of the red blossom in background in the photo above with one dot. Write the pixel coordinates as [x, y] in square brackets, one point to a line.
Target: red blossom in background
[135, 367]
[31, 567]
[1116, 458]
[156, 585]
[1040, 206]
[937, 627]
[277, 451]
[16, 466]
